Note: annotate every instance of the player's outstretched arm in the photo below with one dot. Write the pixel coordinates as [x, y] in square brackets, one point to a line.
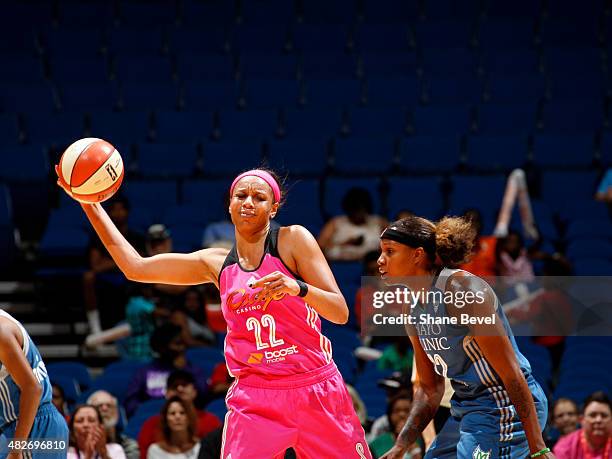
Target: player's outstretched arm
[497, 349]
[427, 397]
[168, 268]
[13, 359]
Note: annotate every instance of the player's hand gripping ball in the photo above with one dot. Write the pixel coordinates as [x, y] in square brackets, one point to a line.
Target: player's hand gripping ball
[90, 170]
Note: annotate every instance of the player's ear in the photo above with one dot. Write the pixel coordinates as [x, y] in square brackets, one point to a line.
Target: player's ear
[419, 255]
[274, 210]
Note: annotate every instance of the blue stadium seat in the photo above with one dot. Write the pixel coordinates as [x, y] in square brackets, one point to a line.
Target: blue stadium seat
[195, 66]
[389, 11]
[320, 37]
[268, 12]
[568, 32]
[69, 386]
[248, 124]
[121, 127]
[88, 96]
[27, 98]
[312, 123]
[127, 367]
[143, 69]
[202, 41]
[335, 188]
[21, 69]
[584, 209]
[303, 206]
[149, 14]
[558, 187]
[509, 62]
[24, 163]
[74, 370]
[79, 70]
[592, 267]
[587, 60]
[378, 122]
[218, 408]
[443, 34]
[516, 9]
[60, 242]
[167, 160]
[517, 88]
[453, 90]
[445, 9]
[149, 408]
[325, 64]
[259, 37]
[364, 155]
[429, 153]
[393, 92]
[377, 38]
[333, 93]
[34, 14]
[449, 62]
[182, 127]
[589, 86]
[388, 64]
[60, 130]
[187, 215]
[497, 34]
[421, 195]
[230, 157]
[299, 156]
[6, 206]
[259, 65]
[321, 11]
[574, 150]
[507, 119]
[214, 191]
[496, 153]
[134, 42]
[154, 194]
[573, 116]
[215, 12]
[10, 132]
[489, 189]
[186, 239]
[211, 95]
[149, 96]
[273, 93]
[78, 14]
[204, 353]
[73, 43]
[441, 120]
[589, 248]
[590, 227]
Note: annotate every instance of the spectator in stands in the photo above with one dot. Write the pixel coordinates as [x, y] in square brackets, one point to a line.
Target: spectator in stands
[103, 272]
[604, 190]
[191, 317]
[351, 236]
[358, 404]
[397, 356]
[210, 446]
[88, 436]
[363, 297]
[512, 260]
[221, 233]
[565, 416]
[150, 382]
[483, 261]
[594, 439]
[59, 400]
[398, 409]
[178, 429]
[139, 314]
[180, 384]
[108, 407]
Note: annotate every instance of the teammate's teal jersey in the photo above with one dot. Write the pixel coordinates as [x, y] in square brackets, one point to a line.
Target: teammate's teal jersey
[9, 391]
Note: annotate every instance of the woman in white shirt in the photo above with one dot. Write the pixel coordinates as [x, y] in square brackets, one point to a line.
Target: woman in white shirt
[178, 426]
[88, 436]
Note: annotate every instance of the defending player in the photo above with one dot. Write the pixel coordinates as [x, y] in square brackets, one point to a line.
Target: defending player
[27, 416]
[498, 410]
[274, 283]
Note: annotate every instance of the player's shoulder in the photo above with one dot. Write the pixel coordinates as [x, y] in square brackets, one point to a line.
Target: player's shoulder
[294, 233]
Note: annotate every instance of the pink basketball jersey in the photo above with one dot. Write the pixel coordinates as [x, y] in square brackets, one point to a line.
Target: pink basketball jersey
[276, 335]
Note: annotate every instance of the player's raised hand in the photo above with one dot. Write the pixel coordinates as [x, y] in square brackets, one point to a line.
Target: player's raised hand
[275, 283]
[61, 182]
[396, 452]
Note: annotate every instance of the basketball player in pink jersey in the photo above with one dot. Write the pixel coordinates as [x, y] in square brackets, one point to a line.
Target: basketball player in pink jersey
[274, 284]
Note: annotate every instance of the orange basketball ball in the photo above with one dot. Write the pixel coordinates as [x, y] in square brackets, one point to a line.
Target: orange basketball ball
[92, 168]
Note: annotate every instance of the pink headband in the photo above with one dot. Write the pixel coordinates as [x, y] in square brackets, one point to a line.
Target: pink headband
[265, 176]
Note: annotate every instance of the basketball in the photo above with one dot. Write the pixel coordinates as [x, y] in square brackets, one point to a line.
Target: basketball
[92, 168]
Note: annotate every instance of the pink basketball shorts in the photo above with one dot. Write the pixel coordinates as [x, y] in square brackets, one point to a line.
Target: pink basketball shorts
[311, 412]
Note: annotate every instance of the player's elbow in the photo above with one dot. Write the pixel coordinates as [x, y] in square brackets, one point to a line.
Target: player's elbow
[134, 270]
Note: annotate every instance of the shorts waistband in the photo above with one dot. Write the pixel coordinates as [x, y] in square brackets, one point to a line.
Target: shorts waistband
[291, 381]
[43, 409]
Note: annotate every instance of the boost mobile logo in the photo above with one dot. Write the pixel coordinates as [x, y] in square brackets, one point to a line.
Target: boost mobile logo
[272, 356]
